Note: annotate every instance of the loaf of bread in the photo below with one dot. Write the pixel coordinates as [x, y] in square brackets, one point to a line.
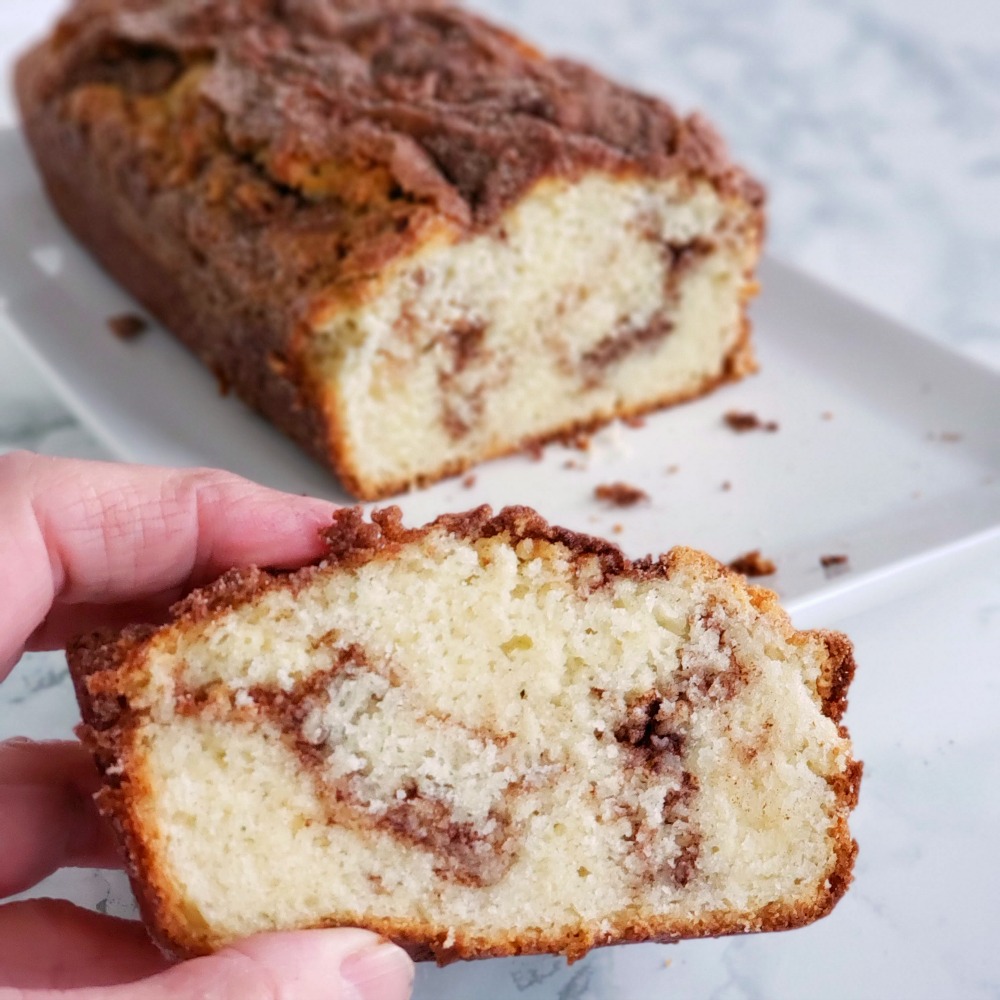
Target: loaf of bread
[483, 737]
[396, 230]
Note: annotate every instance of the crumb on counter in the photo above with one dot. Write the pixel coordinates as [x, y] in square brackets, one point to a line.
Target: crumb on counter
[620, 494]
[753, 564]
[469, 481]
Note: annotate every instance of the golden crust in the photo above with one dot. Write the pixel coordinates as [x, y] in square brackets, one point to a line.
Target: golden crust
[103, 666]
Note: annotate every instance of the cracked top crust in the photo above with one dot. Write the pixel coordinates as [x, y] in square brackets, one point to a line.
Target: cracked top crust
[435, 104]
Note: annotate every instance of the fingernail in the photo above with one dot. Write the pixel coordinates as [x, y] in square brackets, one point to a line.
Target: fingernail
[379, 972]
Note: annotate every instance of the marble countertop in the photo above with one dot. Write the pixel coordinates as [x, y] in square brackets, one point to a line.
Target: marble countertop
[873, 123]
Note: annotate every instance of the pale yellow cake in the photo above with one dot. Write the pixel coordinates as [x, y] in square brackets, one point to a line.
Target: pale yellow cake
[483, 737]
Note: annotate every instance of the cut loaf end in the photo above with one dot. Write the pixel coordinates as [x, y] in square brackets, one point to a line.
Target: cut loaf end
[591, 300]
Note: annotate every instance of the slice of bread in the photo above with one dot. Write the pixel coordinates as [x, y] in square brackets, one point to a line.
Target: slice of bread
[486, 736]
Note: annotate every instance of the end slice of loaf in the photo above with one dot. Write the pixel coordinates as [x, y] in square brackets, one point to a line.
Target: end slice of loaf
[403, 234]
[483, 737]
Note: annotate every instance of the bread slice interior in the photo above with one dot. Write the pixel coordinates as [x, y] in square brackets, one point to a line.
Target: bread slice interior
[482, 737]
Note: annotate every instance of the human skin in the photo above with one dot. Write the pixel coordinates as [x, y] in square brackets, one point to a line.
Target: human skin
[88, 544]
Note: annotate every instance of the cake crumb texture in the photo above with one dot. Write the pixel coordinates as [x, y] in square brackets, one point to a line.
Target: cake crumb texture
[483, 737]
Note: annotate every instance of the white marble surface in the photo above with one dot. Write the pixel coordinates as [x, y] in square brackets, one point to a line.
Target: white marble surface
[874, 124]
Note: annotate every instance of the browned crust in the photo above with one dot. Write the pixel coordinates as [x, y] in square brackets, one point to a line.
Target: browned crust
[458, 113]
[98, 664]
[240, 306]
[236, 337]
[101, 665]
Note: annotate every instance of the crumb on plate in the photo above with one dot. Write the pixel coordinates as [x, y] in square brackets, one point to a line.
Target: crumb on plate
[620, 494]
[753, 564]
[745, 420]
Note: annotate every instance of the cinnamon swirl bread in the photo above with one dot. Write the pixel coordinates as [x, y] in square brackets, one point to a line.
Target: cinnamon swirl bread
[482, 737]
[398, 231]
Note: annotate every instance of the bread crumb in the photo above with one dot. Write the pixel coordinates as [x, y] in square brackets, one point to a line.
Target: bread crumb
[726, 486]
[741, 421]
[634, 421]
[618, 528]
[753, 564]
[672, 470]
[127, 326]
[469, 481]
[620, 494]
[834, 564]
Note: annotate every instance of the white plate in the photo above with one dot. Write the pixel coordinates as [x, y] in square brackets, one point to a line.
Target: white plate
[887, 451]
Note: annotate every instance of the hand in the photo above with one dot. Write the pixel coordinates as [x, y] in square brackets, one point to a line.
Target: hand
[84, 544]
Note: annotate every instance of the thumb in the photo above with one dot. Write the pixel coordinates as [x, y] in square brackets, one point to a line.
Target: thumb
[304, 965]
[300, 965]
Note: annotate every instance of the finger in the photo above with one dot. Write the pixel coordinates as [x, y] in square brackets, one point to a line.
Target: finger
[48, 819]
[308, 965]
[89, 532]
[304, 965]
[49, 944]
